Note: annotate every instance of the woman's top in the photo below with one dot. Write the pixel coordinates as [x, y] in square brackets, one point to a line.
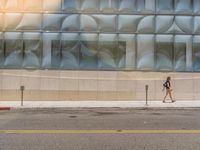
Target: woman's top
[167, 84]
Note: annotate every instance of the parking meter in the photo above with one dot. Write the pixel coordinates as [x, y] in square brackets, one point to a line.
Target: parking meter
[146, 89]
[22, 88]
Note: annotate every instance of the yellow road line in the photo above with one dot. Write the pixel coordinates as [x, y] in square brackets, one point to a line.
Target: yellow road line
[99, 131]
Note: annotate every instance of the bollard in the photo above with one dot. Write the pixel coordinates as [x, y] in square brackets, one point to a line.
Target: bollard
[146, 88]
[22, 88]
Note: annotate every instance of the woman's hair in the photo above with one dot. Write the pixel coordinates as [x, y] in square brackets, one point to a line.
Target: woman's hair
[168, 78]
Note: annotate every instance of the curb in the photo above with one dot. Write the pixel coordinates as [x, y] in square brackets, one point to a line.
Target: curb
[90, 108]
[5, 108]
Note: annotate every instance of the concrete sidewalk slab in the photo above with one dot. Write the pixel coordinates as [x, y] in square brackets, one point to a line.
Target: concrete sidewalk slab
[122, 104]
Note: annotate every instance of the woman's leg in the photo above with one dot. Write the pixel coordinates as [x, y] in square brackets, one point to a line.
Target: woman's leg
[167, 92]
[170, 95]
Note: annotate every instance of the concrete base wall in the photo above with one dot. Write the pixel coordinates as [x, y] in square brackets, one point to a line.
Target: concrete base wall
[48, 85]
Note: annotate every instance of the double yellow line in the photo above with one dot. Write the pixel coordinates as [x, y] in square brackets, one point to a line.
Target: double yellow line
[99, 131]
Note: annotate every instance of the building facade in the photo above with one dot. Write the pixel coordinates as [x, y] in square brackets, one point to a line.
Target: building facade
[98, 46]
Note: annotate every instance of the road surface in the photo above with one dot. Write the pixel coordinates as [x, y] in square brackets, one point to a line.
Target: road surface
[100, 129]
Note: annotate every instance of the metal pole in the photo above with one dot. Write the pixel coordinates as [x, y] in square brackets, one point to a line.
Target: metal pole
[22, 95]
[146, 88]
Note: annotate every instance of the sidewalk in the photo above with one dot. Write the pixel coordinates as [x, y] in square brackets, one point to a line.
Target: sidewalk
[122, 104]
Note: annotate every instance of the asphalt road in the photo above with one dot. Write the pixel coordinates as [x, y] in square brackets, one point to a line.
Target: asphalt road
[99, 129]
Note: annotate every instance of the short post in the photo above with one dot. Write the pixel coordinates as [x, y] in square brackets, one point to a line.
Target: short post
[22, 88]
[146, 89]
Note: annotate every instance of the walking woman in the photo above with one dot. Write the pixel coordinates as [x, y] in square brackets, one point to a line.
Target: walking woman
[167, 86]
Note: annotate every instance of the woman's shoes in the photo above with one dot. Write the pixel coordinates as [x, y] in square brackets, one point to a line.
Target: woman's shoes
[172, 101]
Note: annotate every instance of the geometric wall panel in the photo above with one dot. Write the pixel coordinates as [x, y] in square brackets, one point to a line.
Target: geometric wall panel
[33, 6]
[136, 24]
[197, 24]
[165, 7]
[180, 56]
[184, 6]
[196, 53]
[32, 50]
[128, 6]
[52, 22]
[106, 23]
[196, 6]
[70, 5]
[108, 6]
[89, 51]
[129, 23]
[69, 51]
[164, 52]
[30, 22]
[51, 43]
[12, 20]
[1, 50]
[12, 5]
[146, 25]
[171, 24]
[183, 24]
[89, 6]
[88, 23]
[108, 51]
[70, 23]
[145, 52]
[183, 53]
[146, 6]
[165, 24]
[53, 6]
[2, 21]
[128, 48]
[13, 50]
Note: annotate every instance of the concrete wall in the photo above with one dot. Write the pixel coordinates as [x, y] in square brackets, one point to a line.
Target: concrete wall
[42, 85]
